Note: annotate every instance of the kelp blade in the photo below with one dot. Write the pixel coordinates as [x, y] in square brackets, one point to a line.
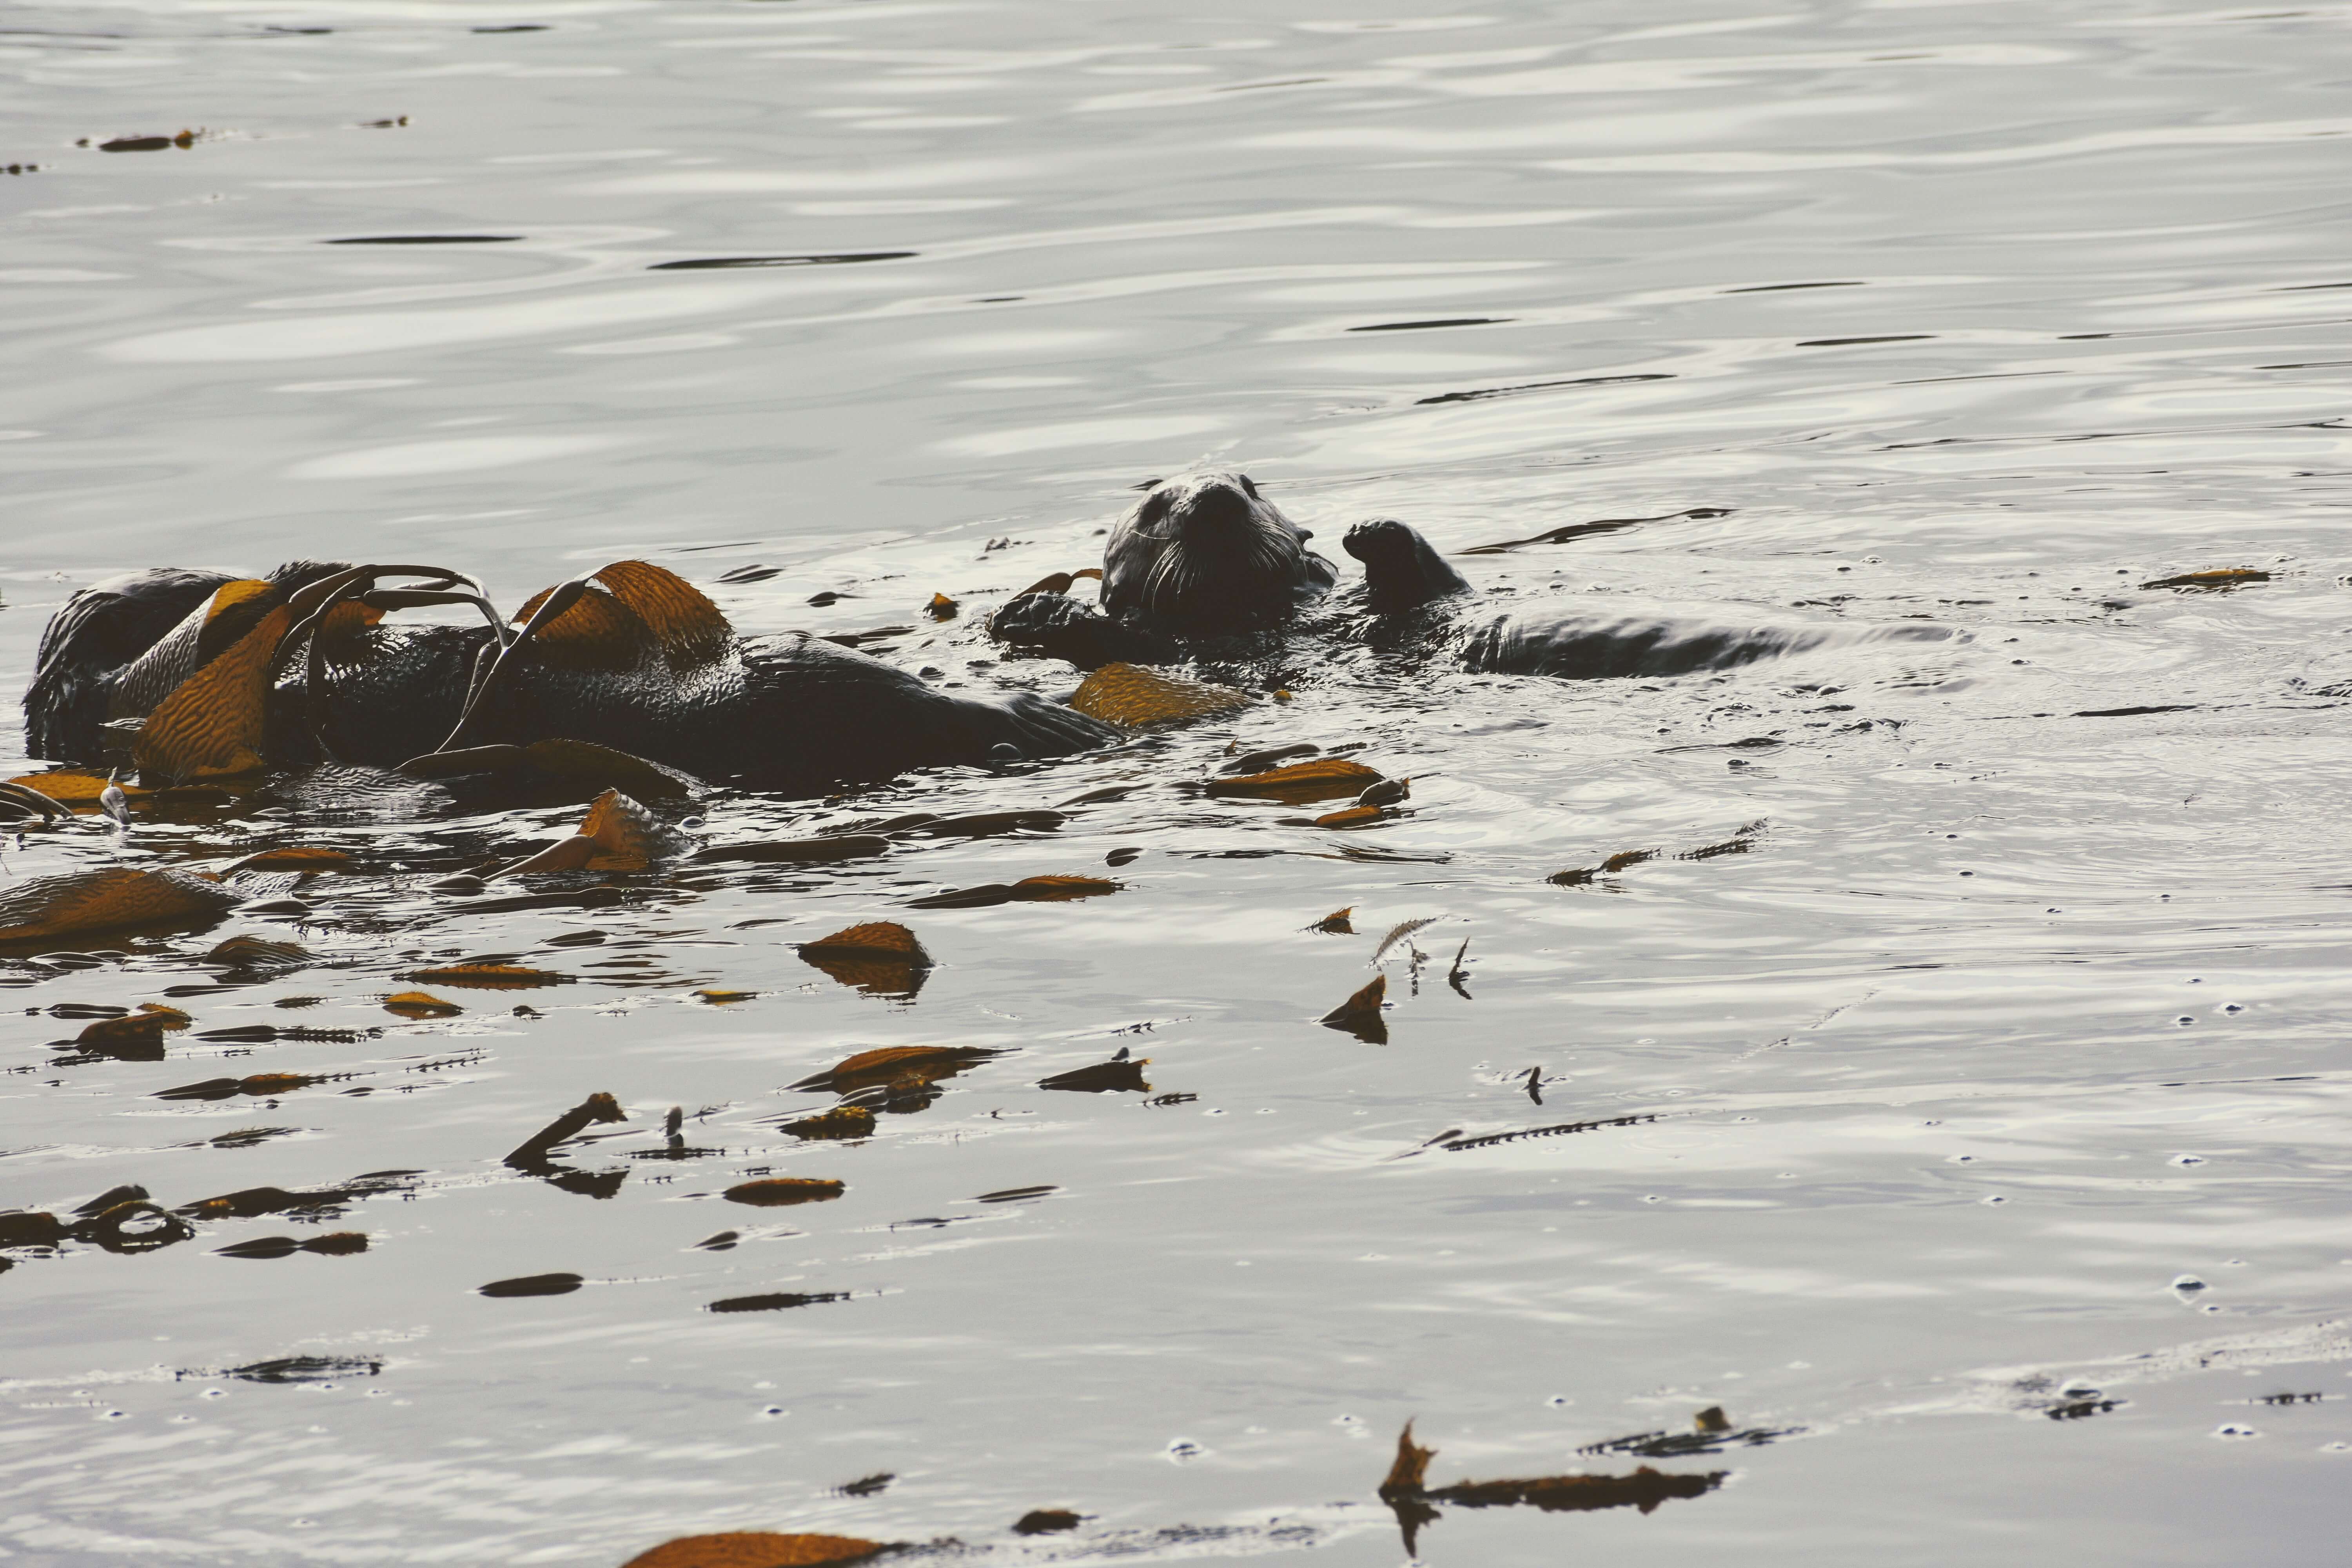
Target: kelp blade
[116, 898]
[1133, 698]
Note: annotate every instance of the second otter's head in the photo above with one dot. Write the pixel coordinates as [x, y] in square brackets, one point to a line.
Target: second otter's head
[1205, 550]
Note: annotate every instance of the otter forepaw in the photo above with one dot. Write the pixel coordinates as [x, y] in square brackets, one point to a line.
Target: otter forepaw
[1401, 569]
[1063, 628]
[1033, 619]
[1382, 536]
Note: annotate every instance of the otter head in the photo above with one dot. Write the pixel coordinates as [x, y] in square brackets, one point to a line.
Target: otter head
[1205, 550]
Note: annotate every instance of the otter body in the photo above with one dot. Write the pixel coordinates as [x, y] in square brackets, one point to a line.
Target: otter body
[1204, 568]
[672, 684]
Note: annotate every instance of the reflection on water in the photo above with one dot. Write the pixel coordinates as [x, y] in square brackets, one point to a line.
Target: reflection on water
[1924, 1050]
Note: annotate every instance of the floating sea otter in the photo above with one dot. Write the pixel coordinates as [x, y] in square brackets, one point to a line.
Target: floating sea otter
[198, 675]
[1204, 565]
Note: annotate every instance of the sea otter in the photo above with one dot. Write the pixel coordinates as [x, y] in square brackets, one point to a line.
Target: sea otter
[1204, 568]
[193, 675]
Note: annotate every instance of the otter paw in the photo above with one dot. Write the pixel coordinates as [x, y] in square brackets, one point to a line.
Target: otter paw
[1380, 536]
[1036, 620]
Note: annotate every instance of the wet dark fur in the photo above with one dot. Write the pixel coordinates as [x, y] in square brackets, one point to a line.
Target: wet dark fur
[1203, 561]
[1205, 552]
[99, 633]
[1411, 598]
[791, 713]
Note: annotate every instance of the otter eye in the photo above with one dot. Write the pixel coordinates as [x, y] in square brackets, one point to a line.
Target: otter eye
[1154, 507]
[1248, 489]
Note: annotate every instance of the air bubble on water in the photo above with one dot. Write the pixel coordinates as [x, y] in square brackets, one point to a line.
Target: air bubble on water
[2188, 1282]
[1559, 1399]
[214, 1393]
[774, 1412]
[2186, 1160]
[1183, 1449]
[1963, 1159]
[2233, 1429]
[1346, 1421]
[1996, 1199]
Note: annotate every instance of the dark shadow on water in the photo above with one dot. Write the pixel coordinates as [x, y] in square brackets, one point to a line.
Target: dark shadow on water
[713, 263]
[299, 1369]
[777, 1302]
[1482, 394]
[532, 1285]
[1427, 326]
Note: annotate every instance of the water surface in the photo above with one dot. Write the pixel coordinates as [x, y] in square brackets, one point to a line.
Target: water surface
[1980, 1127]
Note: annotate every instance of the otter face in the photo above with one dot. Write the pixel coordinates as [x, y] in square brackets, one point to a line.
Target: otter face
[1206, 549]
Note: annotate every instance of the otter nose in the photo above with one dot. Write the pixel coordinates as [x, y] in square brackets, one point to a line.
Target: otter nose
[1217, 504]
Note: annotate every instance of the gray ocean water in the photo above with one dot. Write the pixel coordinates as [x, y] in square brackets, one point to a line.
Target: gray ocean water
[1980, 1136]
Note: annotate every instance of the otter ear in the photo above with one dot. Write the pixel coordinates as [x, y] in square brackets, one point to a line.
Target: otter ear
[1248, 489]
